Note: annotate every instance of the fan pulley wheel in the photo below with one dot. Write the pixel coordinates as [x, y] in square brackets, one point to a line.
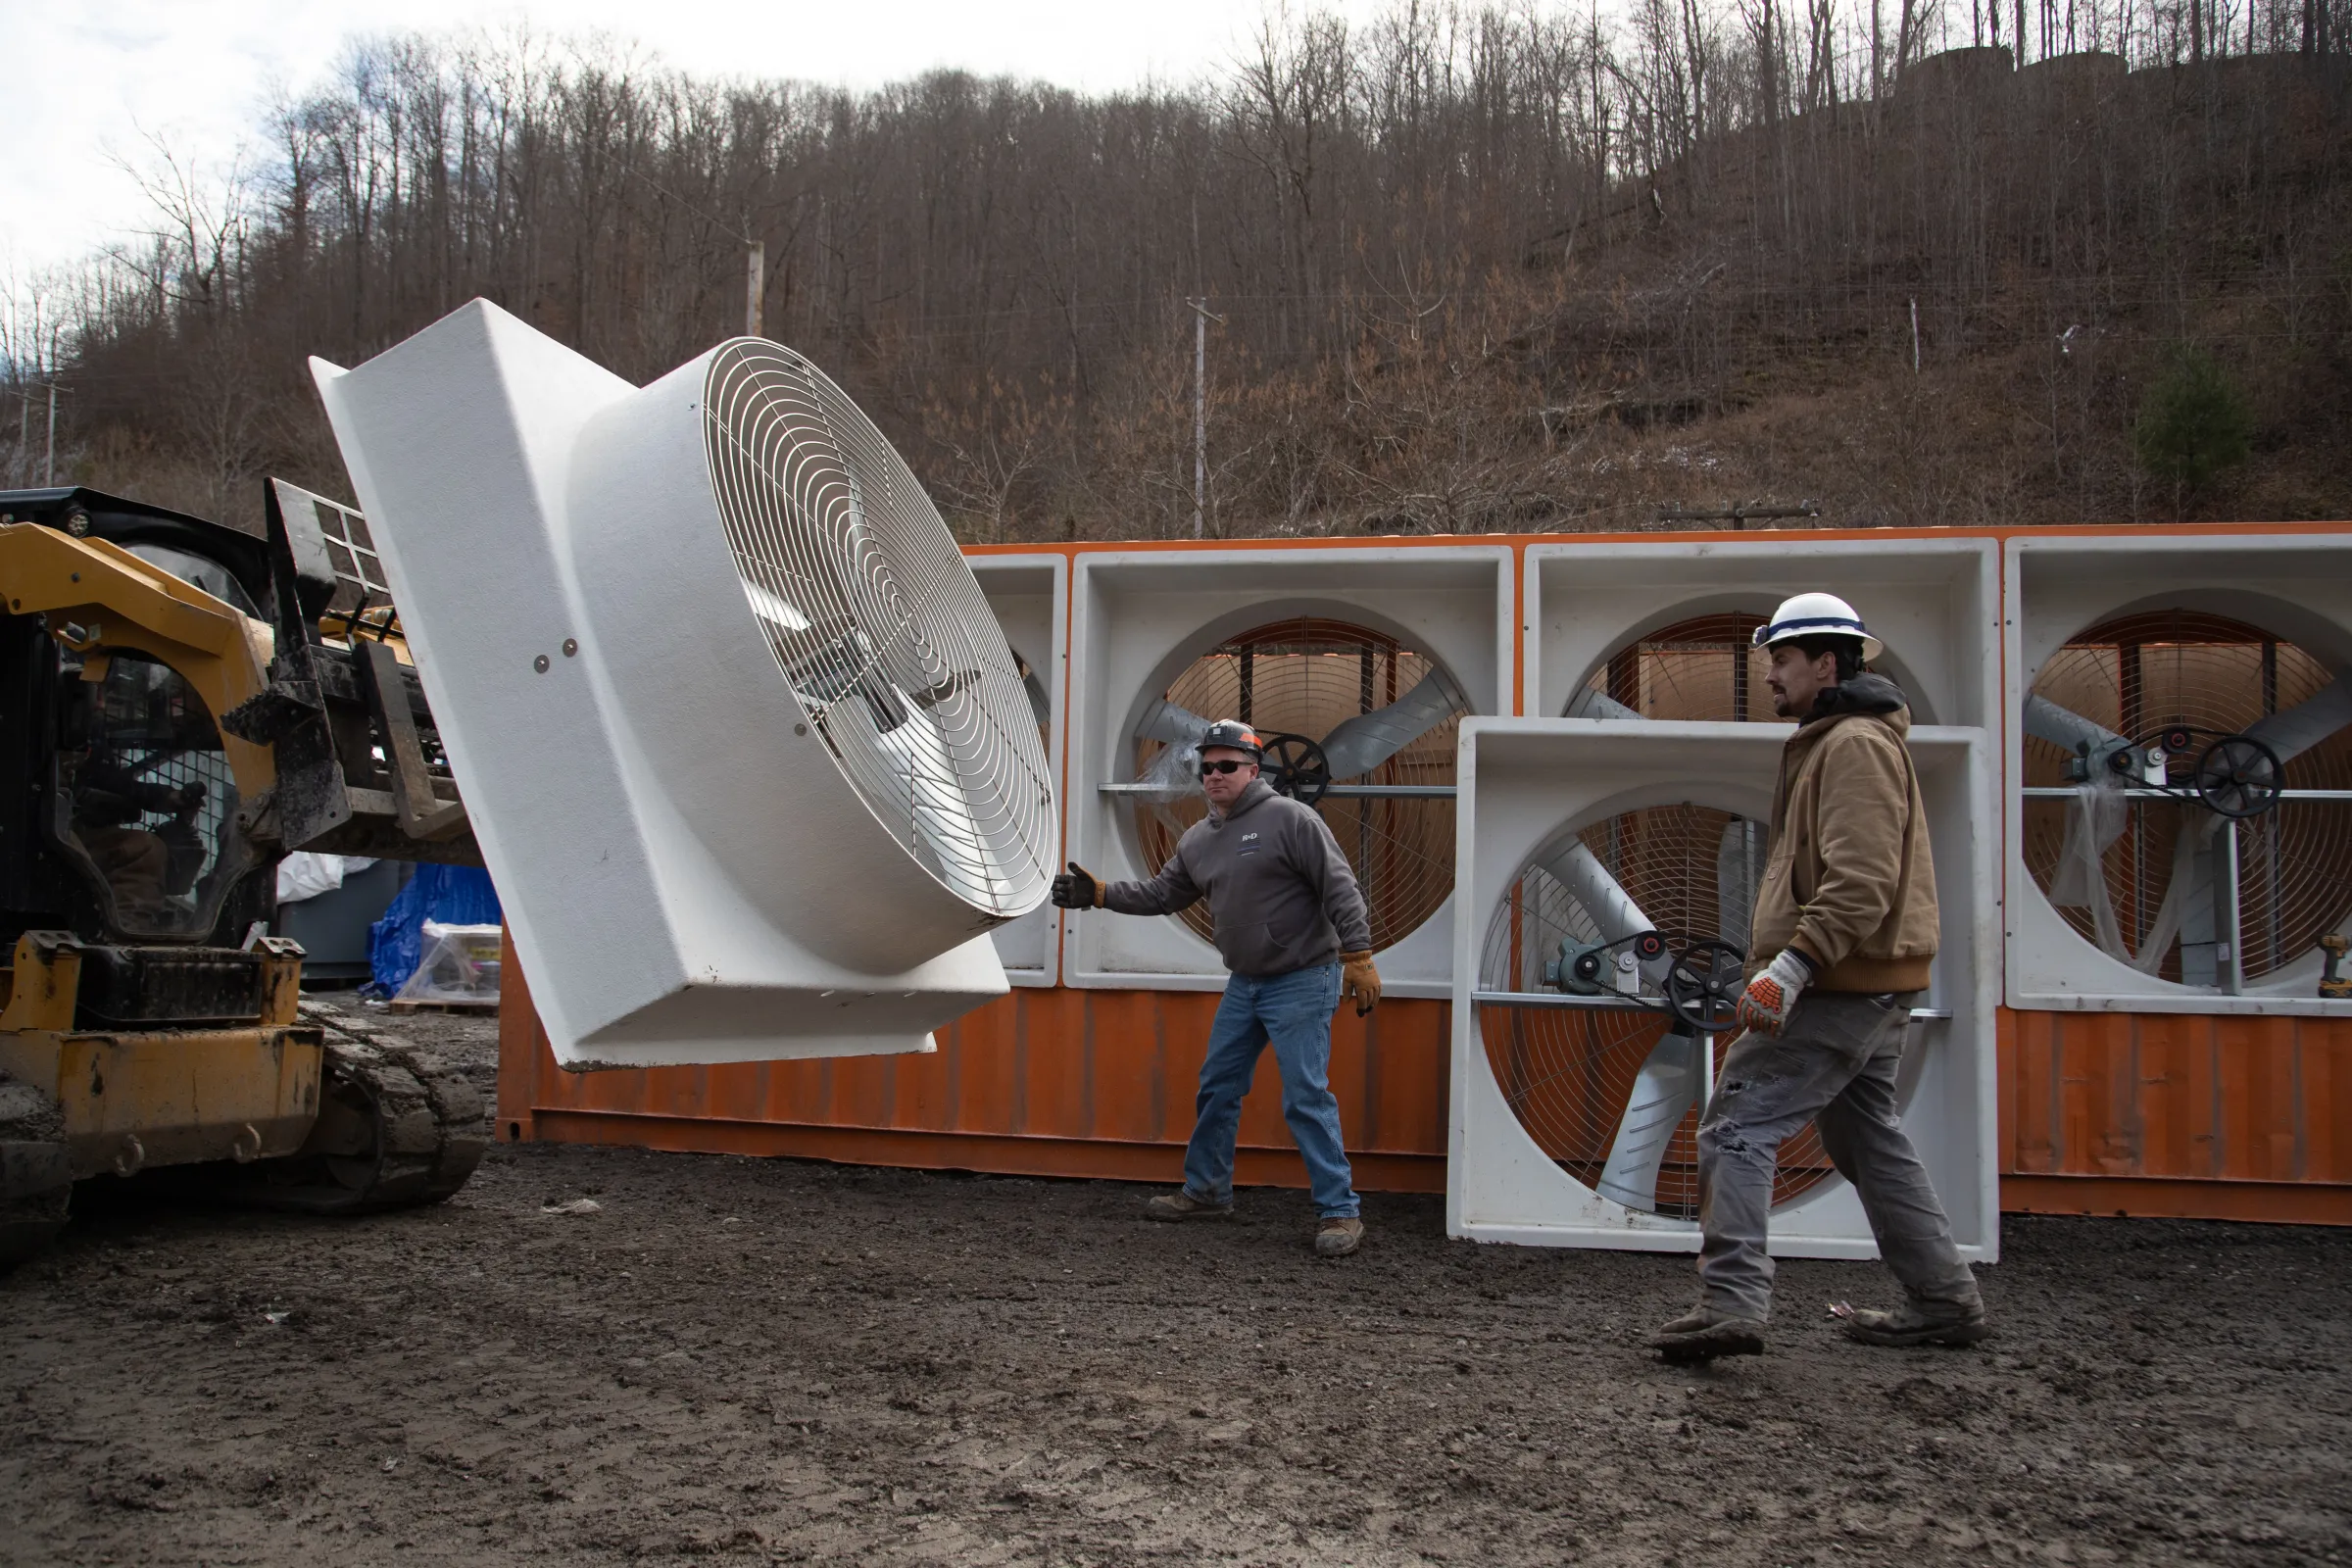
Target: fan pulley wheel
[2239, 776]
[1703, 985]
[1296, 767]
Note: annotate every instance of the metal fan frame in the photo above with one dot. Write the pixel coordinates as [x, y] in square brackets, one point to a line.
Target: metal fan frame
[1529, 780]
[2294, 585]
[1140, 615]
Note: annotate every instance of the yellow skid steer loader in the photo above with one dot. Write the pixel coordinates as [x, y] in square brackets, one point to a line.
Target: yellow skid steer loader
[180, 705]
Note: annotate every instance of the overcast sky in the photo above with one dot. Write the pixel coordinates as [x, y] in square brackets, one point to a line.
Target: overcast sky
[88, 80]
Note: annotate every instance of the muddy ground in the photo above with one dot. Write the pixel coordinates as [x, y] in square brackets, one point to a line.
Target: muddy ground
[745, 1361]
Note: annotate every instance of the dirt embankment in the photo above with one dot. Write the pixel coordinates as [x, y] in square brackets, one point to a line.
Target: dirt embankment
[766, 1361]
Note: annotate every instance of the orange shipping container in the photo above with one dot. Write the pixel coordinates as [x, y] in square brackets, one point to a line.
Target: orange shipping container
[2102, 1114]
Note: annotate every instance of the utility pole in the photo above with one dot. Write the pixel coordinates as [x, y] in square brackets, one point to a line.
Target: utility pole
[49, 467]
[1201, 320]
[755, 288]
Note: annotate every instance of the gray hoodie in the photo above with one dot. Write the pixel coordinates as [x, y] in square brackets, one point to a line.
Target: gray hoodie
[1279, 890]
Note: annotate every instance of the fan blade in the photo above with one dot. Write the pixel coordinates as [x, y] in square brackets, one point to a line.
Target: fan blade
[2045, 720]
[1663, 1094]
[1164, 720]
[1603, 899]
[1361, 743]
[2301, 727]
[1593, 702]
[1171, 774]
[1667, 1083]
[2182, 891]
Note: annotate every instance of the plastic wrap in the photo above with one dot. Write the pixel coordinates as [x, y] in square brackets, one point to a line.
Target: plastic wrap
[459, 966]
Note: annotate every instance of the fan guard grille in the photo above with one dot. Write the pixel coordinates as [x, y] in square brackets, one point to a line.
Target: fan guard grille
[1306, 676]
[1701, 671]
[879, 627]
[2135, 675]
[1569, 1074]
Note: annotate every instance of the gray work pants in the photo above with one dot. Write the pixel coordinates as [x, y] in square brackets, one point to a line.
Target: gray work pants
[1833, 1065]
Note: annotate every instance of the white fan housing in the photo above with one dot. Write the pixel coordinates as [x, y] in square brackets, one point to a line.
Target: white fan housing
[1029, 592]
[2295, 586]
[1140, 618]
[1933, 602]
[1524, 784]
[746, 753]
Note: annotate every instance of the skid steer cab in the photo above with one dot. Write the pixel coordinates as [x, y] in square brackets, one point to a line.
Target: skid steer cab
[180, 705]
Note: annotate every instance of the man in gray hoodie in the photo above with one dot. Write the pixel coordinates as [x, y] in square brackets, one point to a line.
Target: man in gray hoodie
[1292, 928]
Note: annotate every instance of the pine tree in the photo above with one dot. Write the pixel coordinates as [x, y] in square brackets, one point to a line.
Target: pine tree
[2193, 423]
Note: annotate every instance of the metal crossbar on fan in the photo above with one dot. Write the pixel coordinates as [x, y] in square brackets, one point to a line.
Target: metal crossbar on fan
[879, 627]
[2188, 795]
[1357, 725]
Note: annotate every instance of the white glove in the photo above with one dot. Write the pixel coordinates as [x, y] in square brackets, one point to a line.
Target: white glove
[1772, 995]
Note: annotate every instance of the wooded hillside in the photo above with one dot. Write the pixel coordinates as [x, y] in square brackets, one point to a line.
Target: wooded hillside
[1470, 268]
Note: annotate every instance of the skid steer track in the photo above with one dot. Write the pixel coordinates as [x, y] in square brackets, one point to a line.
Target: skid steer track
[396, 1129]
[36, 1178]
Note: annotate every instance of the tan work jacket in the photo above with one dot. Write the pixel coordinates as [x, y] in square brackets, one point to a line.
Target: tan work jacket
[1849, 881]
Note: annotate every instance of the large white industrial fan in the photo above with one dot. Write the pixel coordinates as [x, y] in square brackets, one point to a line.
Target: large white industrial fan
[1612, 865]
[750, 759]
[1354, 660]
[2188, 796]
[1357, 725]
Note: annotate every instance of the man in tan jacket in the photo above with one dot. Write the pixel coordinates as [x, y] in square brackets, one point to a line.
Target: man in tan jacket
[1843, 934]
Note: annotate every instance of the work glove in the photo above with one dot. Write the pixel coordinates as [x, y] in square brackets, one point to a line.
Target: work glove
[1077, 890]
[1358, 979]
[1772, 995]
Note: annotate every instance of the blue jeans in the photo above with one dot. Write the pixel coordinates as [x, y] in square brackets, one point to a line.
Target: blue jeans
[1294, 1012]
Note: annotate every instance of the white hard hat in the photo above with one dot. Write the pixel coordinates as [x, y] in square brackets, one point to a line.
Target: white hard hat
[1816, 616]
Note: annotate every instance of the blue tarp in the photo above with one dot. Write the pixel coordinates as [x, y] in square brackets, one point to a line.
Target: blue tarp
[452, 895]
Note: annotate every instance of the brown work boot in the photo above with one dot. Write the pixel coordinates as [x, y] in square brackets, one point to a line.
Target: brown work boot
[1181, 1205]
[1338, 1235]
[1907, 1325]
[1702, 1334]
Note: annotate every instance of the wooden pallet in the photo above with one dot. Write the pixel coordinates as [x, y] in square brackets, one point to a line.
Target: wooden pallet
[397, 1006]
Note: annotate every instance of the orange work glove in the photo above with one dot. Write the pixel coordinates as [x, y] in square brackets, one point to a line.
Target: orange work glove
[1772, 995]
[1358, 979]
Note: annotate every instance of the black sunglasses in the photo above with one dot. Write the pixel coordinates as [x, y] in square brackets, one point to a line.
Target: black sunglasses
[1226, 765]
